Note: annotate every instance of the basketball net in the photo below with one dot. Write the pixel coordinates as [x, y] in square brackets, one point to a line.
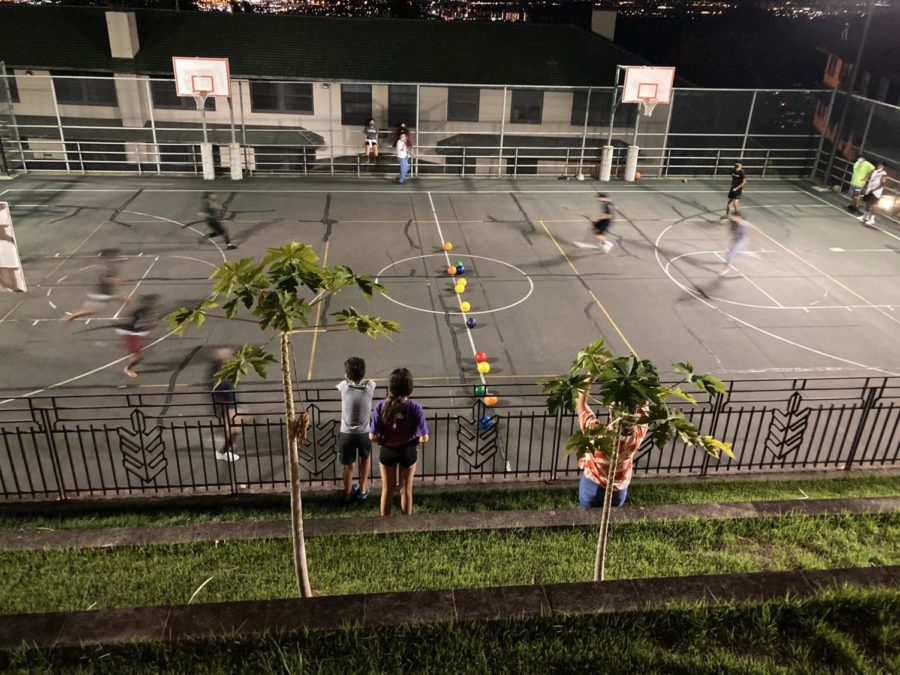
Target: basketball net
[200, 97]
[648, 106]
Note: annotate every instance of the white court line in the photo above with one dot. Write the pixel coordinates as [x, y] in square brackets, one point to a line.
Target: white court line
[133, 290]
[842, 211]
[458, 296]
[406, 193]
[731, 316]
[826, 275]
[182, 225]
[87, 374]
[752, 283]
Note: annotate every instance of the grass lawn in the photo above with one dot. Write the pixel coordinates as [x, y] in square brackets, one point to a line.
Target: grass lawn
[41, 581]
[456, 500]
[848, 631]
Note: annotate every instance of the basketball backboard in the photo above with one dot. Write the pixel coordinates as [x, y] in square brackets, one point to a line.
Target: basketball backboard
[201, 76]
[648, 84]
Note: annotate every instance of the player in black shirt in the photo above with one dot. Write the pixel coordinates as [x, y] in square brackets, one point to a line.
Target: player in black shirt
[106, 289]
[600, 226]
[135, 331]
[212, 211]
[738, 181]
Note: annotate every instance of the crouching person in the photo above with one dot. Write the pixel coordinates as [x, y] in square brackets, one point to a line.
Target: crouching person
[595, 465]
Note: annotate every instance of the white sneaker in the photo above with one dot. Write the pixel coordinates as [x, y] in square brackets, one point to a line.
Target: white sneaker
[607, 246]
[226, 456]
[870, 220]
[582, 244]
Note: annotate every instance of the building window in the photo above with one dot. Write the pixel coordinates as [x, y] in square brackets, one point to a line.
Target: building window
[401, 105]
[527, 106]
[288, 97]
[11, 86]
[356, 104]
[462, 104]
[84, 88]
[165, 96]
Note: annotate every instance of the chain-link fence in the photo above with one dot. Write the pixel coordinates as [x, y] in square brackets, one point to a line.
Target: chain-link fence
[52, 122]
[871, 129]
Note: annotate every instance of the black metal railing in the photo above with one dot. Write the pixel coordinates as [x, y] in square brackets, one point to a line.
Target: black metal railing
[114, 443]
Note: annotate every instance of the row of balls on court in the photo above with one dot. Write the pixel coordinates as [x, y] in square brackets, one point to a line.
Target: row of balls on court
[457, 269]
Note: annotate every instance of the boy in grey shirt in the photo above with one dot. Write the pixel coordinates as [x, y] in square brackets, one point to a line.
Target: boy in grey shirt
[356, 408]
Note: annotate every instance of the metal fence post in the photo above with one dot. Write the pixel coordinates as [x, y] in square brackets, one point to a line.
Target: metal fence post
[46, 425]
[818, 159]
[747, 128]
[870, 398]
[415, 166]
[502, 131]
[865, 136]
[463, 174]
[62, 136]
[80, 158]
[766, 163]
[516, 162]
[666, 156]
[152, 129]
[716, 167]
[587, 110]
[243, 127]
[557, 445]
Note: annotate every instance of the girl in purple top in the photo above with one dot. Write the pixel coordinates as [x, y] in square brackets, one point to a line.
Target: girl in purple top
[398, 425]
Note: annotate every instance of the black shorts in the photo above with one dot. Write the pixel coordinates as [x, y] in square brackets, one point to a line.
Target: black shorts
[601, 226]
[351, 444]
[406, 455]
[870, 198]
[735, 194]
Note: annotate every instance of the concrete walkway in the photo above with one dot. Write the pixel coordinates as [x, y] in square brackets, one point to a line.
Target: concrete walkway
[443, 522]
[373, 611]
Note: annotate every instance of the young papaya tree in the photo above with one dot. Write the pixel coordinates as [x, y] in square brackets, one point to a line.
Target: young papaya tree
[631, 391]
[280, 293]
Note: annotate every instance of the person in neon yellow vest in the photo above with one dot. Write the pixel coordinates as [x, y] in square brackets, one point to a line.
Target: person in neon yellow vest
[862, 169]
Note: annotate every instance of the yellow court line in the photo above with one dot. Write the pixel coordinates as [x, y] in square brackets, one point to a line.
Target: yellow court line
[15, 307]
[75, 250]
[315, 337]
[593, 295]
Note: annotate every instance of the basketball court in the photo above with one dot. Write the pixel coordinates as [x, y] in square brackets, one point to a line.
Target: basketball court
[820, 299]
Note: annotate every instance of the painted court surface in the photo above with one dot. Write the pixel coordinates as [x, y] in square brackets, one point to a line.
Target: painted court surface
[822, 296]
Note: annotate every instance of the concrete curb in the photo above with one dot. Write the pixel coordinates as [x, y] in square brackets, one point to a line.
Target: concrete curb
[246, 618]
[30, 540]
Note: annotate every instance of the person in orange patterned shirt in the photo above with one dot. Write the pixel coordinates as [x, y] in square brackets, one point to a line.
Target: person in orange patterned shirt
[595, 465]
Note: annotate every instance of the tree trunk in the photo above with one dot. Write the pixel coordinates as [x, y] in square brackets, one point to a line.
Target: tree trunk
[300, 567]
[600, 560]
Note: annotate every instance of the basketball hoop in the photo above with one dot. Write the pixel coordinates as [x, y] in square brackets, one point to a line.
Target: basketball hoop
[648, 105]
[200, 97]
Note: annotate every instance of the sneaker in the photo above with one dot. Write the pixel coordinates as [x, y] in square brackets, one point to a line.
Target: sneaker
[226, 456]
[362, 496]
[870, 220]
[231, 247]
[582, 244]
[607, 246]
